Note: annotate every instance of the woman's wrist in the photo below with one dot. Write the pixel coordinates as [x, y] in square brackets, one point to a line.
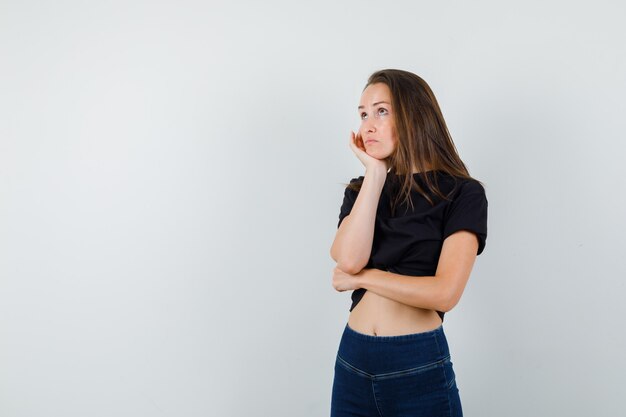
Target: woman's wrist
[376, 174]
[361, 277]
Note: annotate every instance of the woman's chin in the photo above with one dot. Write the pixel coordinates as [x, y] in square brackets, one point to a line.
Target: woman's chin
[377, 155]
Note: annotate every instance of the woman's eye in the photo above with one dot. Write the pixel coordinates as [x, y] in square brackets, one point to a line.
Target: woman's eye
[381, 108]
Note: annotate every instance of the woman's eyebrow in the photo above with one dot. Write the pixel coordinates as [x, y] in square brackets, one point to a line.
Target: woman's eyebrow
[375, 104]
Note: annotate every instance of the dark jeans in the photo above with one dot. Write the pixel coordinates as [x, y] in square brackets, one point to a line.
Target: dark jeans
[394, 376]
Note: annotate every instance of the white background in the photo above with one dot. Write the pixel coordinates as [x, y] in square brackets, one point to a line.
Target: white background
[170, 180]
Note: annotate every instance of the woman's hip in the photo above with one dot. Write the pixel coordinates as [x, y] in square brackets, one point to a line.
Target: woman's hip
[410, 374]
[385, 356]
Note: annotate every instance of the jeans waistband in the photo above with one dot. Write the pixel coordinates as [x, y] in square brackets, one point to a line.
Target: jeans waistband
[380, 354]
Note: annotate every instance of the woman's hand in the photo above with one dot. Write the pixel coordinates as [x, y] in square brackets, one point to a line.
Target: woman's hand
[342, 281]
[371, 163]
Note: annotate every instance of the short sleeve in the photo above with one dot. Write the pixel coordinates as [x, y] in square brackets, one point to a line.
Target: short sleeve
[349, 197]
[468, 211]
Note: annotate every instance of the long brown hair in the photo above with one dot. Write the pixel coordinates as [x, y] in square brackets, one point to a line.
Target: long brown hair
[424, 141]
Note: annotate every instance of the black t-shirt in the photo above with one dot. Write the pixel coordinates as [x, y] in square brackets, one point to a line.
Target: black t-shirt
[410, 241]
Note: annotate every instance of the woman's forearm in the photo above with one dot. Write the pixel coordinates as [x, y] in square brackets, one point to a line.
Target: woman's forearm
[417, 291]
[352, 246]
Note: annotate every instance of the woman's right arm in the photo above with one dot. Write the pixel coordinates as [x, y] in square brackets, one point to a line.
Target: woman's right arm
[352, 246]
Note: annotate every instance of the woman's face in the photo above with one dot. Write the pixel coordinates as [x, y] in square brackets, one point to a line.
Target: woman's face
[377, 127]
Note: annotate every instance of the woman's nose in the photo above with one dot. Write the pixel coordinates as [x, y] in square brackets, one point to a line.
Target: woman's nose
[370, 125]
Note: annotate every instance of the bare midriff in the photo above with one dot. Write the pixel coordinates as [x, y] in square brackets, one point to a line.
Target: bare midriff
[381, 316]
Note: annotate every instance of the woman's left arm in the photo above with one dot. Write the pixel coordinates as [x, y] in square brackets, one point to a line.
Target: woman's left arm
[440, 292]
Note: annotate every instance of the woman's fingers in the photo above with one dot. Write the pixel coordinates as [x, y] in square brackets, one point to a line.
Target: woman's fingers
[356, 141]
[352, 138]
[358, 147]
[359, 142]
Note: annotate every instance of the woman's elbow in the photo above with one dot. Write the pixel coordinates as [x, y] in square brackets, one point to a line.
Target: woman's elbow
[446, 306]
[347, 264]
[448, 301]
[350, 266]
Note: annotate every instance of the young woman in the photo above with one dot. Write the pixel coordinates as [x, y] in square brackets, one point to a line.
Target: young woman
[409, 232]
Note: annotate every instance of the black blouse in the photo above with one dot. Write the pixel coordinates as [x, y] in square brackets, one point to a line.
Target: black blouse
[410, 241]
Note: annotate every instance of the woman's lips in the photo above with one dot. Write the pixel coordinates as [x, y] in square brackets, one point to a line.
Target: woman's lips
[370, 141]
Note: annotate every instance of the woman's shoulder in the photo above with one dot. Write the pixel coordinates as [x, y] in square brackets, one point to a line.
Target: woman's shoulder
[470, 186]
[462, 183]
[355, 185]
